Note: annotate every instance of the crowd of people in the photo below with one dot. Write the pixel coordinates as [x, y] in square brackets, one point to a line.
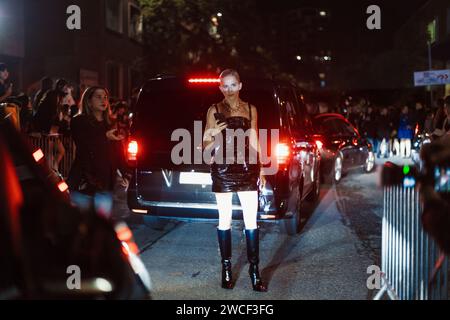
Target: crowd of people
[54, 111]
[392, 129]
[51, 111]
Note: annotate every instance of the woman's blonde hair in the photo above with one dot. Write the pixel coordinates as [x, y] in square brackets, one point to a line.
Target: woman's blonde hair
[230, 72]
[85, 105]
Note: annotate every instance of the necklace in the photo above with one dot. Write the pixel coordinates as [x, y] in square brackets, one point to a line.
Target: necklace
[231, 109]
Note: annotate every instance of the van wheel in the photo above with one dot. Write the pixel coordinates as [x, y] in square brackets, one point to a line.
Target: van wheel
[291, 224]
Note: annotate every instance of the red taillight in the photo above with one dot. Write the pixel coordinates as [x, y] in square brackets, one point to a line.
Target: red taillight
[204, 80]
[282, 152]
[132, 150]
[319, 144]
[417, 130]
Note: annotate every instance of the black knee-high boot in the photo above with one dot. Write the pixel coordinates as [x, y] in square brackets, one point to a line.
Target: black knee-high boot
[224, 237]
[252, 237]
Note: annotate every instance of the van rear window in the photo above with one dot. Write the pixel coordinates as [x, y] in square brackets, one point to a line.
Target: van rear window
[169, 104]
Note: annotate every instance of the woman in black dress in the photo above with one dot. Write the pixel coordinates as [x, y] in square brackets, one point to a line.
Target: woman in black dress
[96, 163]
[235, 172]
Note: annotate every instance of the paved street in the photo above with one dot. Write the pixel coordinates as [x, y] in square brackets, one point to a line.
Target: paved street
[340, 238]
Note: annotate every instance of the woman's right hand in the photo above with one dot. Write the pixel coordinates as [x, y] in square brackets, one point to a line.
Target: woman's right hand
[217, 128]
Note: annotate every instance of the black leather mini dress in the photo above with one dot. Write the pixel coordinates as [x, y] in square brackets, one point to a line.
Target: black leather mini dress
[231, 175]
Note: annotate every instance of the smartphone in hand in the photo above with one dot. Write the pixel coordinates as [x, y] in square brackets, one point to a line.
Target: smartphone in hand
[220, 117]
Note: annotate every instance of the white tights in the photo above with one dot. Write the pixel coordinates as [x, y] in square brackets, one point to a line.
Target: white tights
[249, 204]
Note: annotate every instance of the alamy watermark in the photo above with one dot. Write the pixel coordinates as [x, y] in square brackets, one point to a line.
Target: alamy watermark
[374, 280]
[225, 154]
[73, 22]
[374, 20]
[74, 280]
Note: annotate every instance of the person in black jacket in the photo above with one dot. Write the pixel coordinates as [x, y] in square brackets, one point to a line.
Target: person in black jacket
[95, 166]
[46, 85]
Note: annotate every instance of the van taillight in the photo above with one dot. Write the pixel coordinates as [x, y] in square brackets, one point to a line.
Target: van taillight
[132, 150]
[282, 152]
[319, 144]
[204, 80]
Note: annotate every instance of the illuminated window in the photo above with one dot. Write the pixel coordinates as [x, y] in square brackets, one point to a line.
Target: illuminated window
[113, 14]
[134, 22]
[432, 31]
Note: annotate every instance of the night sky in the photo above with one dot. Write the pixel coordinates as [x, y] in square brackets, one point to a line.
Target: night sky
[348, 21]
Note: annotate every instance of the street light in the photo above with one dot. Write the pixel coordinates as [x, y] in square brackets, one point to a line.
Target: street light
[219, 14]
[299, 58]
[323, 13]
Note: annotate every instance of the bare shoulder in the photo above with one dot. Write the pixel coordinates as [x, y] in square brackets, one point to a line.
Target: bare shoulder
[253, 109]
[212, 108]
[210, 112]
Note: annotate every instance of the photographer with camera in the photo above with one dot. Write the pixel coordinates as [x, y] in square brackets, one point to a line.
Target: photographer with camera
[433, 177]
[435, 189]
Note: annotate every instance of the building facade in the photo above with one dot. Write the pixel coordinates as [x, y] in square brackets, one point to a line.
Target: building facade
[105, 51]
[301, 37]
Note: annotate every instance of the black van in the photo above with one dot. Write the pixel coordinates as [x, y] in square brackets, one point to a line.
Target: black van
[160, 187]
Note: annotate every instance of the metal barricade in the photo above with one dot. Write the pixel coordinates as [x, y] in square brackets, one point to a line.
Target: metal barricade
[412, 266]
[51, 147]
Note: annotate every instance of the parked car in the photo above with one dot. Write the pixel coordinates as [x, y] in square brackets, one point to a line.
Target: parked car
[52, 249]
[161, 188]
[343, 148]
